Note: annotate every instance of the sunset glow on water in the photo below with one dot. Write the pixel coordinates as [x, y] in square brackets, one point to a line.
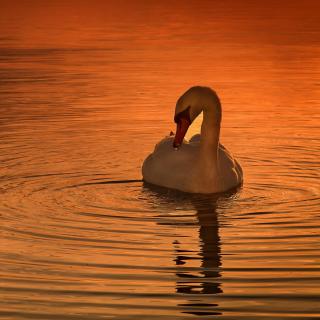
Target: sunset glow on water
[87, 88]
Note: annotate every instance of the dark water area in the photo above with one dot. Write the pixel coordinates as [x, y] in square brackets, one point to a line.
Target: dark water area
[87, 88]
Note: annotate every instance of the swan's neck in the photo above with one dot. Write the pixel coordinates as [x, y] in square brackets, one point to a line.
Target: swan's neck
[210, 132]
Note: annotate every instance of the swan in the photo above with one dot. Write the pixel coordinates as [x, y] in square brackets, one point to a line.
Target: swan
[202, 165]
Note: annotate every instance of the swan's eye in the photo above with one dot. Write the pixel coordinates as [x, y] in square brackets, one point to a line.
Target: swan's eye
[185, 114]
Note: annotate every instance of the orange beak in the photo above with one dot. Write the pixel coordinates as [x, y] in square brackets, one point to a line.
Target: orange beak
[183, 123]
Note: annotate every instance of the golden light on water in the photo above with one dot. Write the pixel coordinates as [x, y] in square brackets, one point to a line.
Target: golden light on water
[87, 90]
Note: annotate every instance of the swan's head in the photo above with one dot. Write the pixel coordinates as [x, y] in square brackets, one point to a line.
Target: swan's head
[190, 105]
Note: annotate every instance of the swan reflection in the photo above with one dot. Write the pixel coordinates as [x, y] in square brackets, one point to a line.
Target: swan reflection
[207, 281]
[198, 284]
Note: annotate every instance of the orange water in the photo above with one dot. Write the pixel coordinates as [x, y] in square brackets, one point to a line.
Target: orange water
[86, 90]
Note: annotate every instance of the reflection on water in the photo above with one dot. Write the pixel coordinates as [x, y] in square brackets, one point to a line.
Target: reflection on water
[86, 90]
[206, 279]
[210, 260]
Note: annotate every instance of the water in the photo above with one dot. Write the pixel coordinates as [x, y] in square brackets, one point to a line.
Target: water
[86, 90]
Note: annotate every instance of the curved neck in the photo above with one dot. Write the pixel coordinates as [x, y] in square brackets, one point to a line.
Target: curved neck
[210, 132]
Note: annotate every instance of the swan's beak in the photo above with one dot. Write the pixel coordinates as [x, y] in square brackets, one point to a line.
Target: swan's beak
[182, 128]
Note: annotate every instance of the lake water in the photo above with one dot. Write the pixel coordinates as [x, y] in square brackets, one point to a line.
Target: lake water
[86, 90]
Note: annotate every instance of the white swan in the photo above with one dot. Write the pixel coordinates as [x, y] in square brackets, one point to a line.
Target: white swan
[201, 165]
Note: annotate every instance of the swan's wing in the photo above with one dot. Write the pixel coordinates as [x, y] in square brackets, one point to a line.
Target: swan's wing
[222, 147]
[169, 167]
[227, 161]
[164, 144]
[195, 139]
[239, 169]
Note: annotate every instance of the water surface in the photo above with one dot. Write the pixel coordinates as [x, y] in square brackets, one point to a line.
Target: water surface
[86, 90]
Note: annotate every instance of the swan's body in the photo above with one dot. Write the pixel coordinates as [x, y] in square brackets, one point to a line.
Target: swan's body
[201, 165]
